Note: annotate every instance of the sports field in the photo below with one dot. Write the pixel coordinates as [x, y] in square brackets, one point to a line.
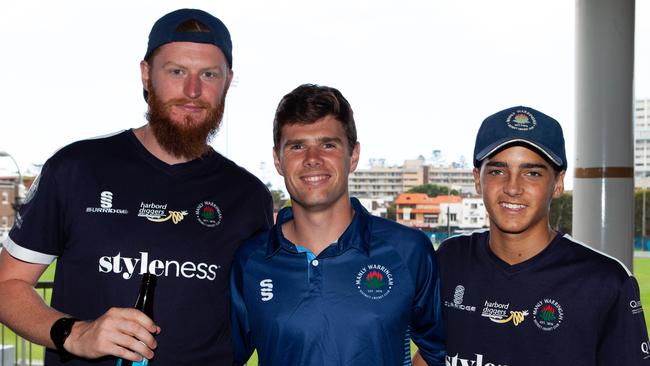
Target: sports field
[641, 272]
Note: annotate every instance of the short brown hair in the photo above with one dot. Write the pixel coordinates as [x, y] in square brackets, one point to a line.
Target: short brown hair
[309, 103]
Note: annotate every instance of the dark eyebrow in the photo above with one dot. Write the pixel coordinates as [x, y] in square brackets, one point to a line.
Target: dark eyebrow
[294, 142]
[533, 166]
[320, 140]
[501, 164]
[498, 164]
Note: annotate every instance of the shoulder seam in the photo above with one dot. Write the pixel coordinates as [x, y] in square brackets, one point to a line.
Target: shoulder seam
[569, 237]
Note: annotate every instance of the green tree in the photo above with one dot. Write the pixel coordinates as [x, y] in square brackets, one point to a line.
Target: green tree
[432, 190]
[391, 212]
[561, 214]
[638, 212]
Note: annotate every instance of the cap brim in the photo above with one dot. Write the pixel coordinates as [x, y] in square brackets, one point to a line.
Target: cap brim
[490, 149]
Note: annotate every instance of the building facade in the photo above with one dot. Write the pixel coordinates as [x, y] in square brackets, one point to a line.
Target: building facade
[642, 143]
[387, 182]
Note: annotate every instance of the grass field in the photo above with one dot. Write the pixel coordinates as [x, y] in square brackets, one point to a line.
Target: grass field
[641, 272]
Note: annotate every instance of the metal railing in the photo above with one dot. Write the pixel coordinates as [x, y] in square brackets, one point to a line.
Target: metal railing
[15, 350]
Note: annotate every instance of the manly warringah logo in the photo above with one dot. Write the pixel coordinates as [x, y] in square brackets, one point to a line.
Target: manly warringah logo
[158, 213]
[208, 214]
[548, 314]
[126, 266]
[500, 313]
[459, 294]
[374, 281]
[106, 205]
[521, 120]
[636, 307]
[266, 289]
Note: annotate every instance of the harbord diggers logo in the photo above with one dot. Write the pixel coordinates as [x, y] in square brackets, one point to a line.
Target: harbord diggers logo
[374, 281]
[159, 213]
[106, 205]
[266, 289]
[501, 313]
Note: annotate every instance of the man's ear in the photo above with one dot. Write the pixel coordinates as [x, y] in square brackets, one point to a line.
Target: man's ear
[276, 162]
[558, 188]
[477, 180]
[354, 159]
[144, 75]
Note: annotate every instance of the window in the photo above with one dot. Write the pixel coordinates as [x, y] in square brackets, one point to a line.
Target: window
[474, 206]
[5, 221]
[5, 198]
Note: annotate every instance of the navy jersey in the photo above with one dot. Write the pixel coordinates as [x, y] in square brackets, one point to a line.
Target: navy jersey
[357, 303]
[568, 305]
[110, 211]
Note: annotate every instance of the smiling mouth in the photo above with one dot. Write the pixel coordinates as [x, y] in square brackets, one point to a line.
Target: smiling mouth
[315, 179]
[512, 206]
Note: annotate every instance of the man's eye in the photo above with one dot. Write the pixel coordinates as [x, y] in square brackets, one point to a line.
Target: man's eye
[210, 74]
[329, 145]
[495, 172]
[295, 147]
[176, 72]
[534, 174]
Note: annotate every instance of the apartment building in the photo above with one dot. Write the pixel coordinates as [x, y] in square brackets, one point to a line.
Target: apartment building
[387, 182]
[642, 143]
[430, 213]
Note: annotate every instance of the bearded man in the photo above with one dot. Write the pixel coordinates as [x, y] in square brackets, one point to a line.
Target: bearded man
[156, 199]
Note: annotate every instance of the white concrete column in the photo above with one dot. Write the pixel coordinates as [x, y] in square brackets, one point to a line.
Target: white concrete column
[603, 197]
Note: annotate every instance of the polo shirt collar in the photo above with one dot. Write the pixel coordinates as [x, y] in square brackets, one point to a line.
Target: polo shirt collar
[356, 235]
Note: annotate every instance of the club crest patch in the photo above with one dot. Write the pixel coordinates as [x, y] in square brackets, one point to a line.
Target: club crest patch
[548, 315]
[374, 281]
[208, 214]
[521, 120]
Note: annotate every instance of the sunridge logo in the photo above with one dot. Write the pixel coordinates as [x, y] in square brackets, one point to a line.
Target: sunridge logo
[168, 268]
[106, 205]
[459, 294]
[266, 289]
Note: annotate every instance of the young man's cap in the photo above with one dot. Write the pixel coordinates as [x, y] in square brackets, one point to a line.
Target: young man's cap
[165, 30]
[523, 125]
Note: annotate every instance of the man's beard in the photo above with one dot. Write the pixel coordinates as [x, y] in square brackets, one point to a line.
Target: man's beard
[187, 139]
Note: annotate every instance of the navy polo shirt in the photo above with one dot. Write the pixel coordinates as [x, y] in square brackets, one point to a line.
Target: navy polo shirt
[358, 302]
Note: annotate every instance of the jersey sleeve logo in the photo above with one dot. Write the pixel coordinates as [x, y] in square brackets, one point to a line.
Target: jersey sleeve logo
[374, 281]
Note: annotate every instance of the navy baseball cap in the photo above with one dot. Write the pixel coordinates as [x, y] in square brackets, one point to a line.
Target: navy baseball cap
[523, 125]
[165, 30]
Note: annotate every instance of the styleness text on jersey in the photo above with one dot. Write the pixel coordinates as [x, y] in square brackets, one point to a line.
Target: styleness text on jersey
[127, 267]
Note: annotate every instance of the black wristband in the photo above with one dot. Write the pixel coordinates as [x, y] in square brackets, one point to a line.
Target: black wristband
[59, 333]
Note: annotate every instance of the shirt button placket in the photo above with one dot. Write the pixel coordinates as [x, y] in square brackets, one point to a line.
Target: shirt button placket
[315, 280]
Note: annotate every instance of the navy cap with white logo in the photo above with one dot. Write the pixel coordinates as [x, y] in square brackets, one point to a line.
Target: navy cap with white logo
[523, 125]
[166, 30]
